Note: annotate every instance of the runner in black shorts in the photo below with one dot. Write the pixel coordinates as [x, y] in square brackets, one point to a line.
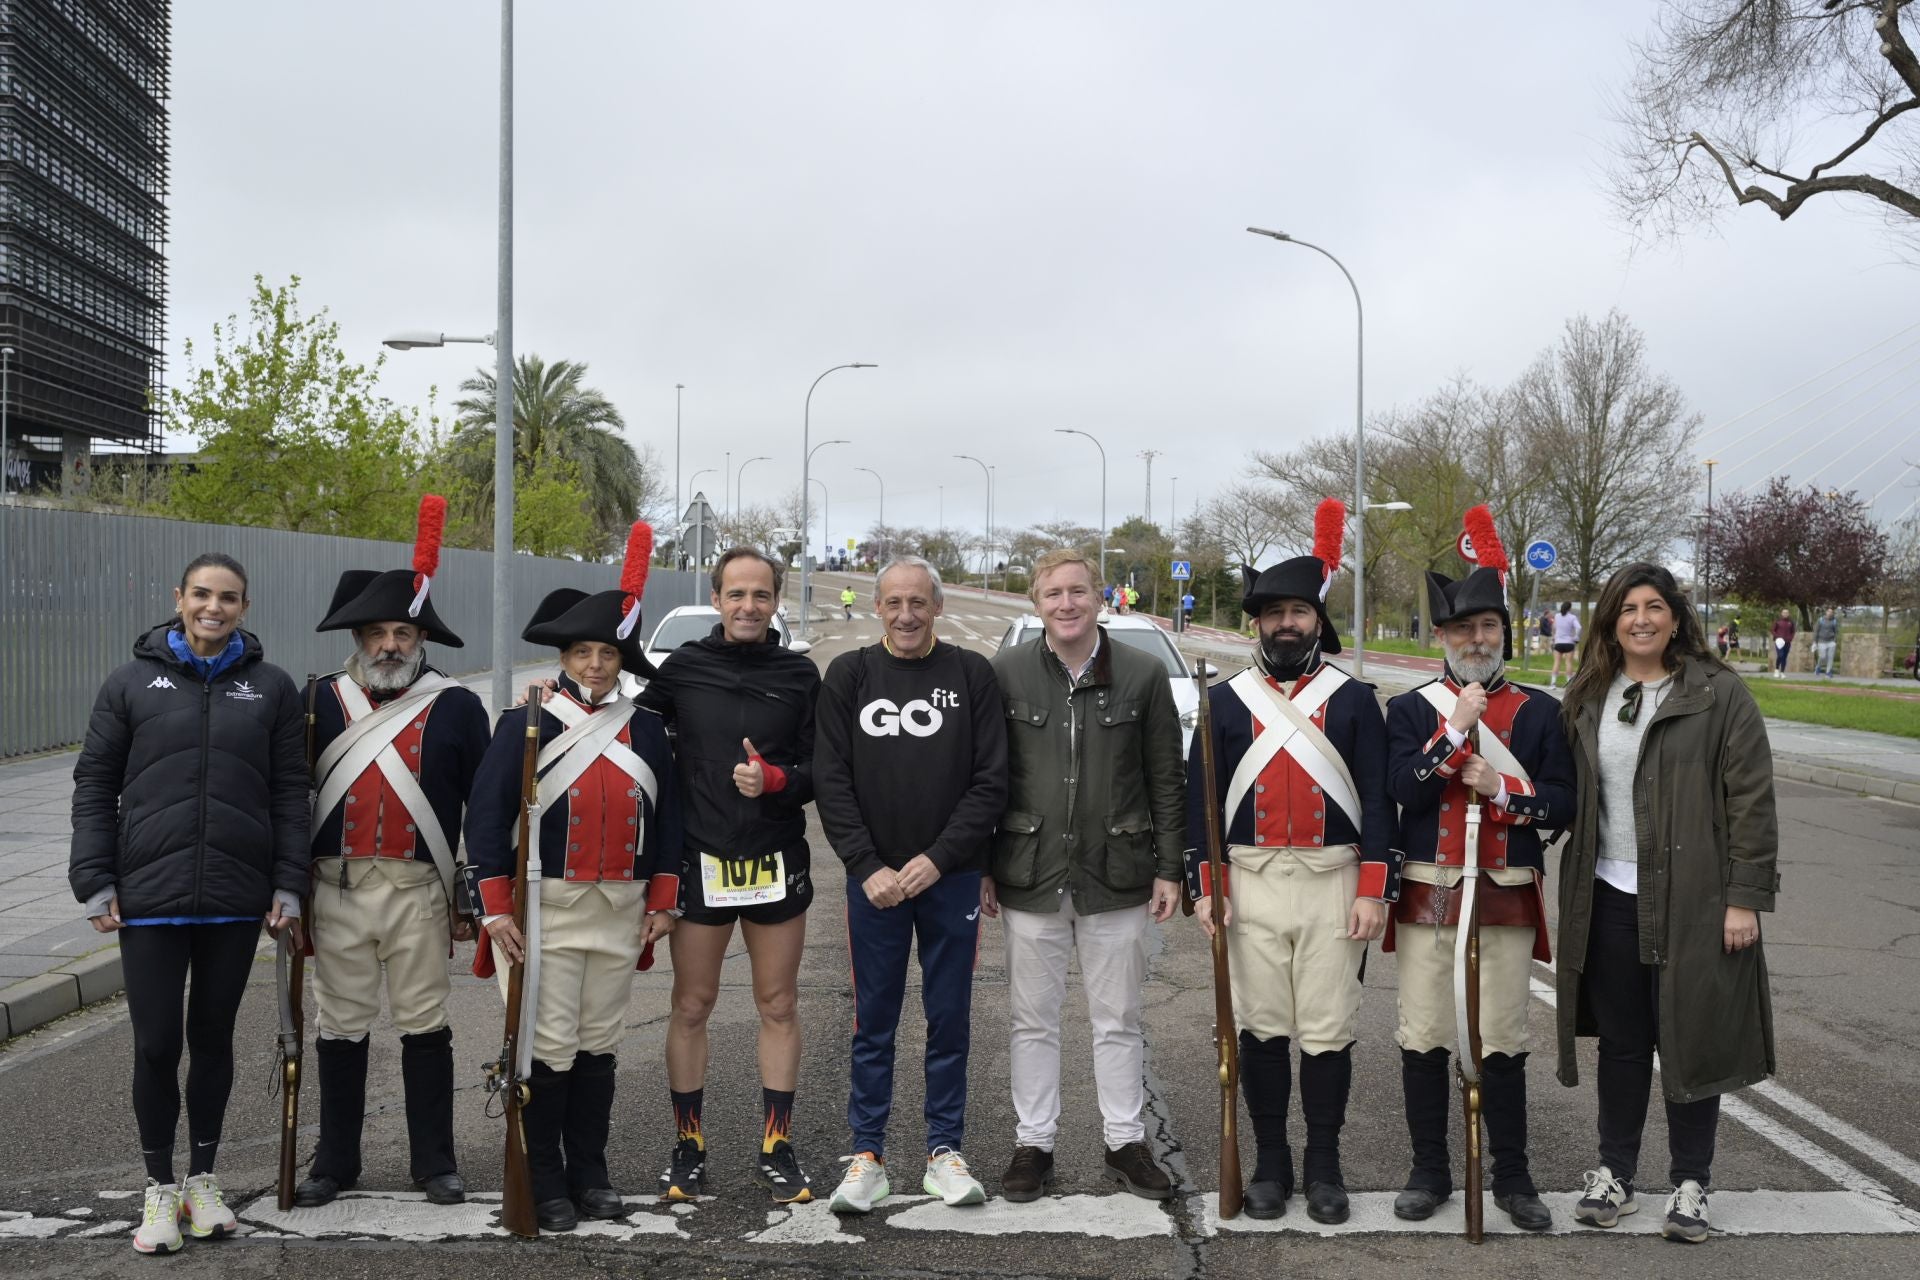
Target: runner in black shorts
[742, 707]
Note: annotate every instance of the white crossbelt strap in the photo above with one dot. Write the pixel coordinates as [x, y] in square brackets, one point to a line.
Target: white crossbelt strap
[1296, 734]
[368, 741]
[1496, 752]
[1469, 893]
[588, 736]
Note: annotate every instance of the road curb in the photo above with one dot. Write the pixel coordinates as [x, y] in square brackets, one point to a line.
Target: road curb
[34, 1002]
[1826, 775]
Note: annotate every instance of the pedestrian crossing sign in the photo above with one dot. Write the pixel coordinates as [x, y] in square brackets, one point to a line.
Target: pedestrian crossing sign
[1182, 570]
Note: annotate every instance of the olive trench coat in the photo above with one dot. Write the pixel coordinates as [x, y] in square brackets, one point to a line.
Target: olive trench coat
[1704, 810]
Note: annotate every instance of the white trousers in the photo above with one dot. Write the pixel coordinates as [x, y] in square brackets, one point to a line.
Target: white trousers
[1113, 970]
[589, 943]
[391, 918]
[1428, 1020]
[1295, 971]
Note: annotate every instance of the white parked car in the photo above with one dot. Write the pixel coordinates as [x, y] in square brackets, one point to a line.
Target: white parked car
[694, 622]
[1136, 633]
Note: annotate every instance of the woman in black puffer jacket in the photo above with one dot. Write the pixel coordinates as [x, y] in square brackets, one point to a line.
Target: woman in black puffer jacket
[190, 827]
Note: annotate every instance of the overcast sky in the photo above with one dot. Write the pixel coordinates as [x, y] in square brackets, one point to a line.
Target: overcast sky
[1028, 214]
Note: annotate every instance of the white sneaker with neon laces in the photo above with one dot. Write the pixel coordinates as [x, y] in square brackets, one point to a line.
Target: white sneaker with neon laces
[862, 1186]
[949, 1178]
[205, 1209]
[159, 1230]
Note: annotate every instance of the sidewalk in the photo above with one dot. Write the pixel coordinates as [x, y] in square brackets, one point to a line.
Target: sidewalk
[51, 960]
[1878, 764]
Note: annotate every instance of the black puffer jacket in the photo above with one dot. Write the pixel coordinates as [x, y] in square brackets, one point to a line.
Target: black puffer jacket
[191, 797]
[715, 694]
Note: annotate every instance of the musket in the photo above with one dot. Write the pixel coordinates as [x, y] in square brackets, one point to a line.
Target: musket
[290, 965]
[1466, 1003]
[1223, 1029]
[510, 1075]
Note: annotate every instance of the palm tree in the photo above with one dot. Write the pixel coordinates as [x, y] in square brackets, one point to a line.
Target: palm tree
[554, 412]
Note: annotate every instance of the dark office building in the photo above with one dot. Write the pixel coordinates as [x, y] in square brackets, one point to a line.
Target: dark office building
[83, 229]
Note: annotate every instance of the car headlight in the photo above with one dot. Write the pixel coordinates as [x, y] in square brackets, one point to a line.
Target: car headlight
[1190, 719]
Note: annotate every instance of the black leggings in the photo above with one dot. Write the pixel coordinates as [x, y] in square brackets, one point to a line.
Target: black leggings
[1624, 997]
[157, 959]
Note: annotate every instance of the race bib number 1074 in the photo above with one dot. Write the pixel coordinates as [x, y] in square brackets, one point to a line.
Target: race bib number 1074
[743, 882]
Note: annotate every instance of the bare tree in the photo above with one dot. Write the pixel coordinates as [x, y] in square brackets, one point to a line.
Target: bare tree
[1245, 521]
[1612, 440]
[1771, 103]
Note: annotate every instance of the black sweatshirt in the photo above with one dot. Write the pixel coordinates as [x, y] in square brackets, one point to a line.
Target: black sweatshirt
[910, 758]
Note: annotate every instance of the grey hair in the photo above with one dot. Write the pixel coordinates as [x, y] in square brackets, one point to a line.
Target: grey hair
[910, 562]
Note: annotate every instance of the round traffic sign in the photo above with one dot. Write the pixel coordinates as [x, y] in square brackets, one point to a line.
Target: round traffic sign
[1465, 548]
[1541, 555]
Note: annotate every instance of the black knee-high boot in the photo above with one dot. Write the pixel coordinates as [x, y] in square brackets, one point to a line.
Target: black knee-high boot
[1503, 1101]
[426, 1070]
[1326, 1080]
[589, 1123]
[543, 1120]
[1429, 1100]
[343, 1110]
[1266, 1081]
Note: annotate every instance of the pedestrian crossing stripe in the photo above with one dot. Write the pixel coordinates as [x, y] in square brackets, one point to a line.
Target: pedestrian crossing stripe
[406, 1217]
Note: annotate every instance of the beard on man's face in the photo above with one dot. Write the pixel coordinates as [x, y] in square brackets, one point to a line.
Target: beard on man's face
[1474, 663]
[390, 669]
[1289, 646]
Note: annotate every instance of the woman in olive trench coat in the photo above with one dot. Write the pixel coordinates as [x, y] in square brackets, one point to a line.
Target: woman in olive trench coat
[1707, 838]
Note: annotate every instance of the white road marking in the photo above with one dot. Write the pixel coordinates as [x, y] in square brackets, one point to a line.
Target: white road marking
[1865, 1143]
[1734, 1213]
[107, 1228]
[1111, 1217]
[391, 1215]
[804, 1224]
[18, 1225]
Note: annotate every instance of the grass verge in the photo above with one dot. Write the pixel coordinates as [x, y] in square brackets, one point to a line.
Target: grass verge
[1898, 716]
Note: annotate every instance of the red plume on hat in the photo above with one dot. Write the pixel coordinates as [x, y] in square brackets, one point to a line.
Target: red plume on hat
[426, 548]
[633, 576]
[1329, 539]
[1488, 551]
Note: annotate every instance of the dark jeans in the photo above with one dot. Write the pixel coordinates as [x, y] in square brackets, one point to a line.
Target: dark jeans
[946, 919]
[1624, 997]
[157, 960]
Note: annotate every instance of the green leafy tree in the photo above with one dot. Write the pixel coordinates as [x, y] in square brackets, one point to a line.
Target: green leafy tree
[551, 515]
[556, 413]
[292, 434]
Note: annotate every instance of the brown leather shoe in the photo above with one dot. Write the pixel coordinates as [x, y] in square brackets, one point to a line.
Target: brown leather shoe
[1028, 1174]
[1133, 1167]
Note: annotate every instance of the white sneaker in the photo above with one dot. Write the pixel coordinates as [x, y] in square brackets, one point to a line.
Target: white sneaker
[1687, 1214]
[863, 1186]
[949, 1178]
[204, 1209]
[1604, 1199]
[160, 1228]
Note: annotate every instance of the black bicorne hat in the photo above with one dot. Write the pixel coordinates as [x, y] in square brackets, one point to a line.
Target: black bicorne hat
[366, 596]
[1297, 579]
[569, 615]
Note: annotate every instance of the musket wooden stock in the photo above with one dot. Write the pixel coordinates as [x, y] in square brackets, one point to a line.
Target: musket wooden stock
[516, 1195]
[1473, 1194]
[1228, 1044]
[293, 1012]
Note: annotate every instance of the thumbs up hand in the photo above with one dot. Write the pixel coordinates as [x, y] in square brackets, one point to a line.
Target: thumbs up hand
[751, 777]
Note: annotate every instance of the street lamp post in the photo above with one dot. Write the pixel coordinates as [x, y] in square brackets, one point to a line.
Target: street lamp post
[806, 514]
[678, 509]
[1075, 431]
[986, 562]
[6, 371]
[882, 520]
[1359, 450]
[739, 477]
[1706, 545]
[699, 515]
[826, 511]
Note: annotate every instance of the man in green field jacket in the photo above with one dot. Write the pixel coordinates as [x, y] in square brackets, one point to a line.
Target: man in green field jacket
[1089, 848]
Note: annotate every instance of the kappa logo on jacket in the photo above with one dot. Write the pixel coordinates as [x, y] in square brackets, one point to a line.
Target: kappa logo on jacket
[884, 718]
[162, 682]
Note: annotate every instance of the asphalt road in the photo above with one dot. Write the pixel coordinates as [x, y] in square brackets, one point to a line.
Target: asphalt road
[1818, 1173]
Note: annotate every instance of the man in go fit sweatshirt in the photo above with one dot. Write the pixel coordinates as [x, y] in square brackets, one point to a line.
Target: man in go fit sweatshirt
[910, 775]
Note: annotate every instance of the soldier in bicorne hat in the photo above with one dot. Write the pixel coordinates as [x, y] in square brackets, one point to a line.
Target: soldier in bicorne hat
[1300, 760]
[609, 843]
[398, 744]
[1472, 736]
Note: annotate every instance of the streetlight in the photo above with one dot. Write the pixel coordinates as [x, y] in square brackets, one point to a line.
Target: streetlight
[1075, 431]
[882, 521]
[826, 512]
[987, 561]
[1706, 545]
[806, 495]
[699, 514]
[678, 510]
[739, 477]
[1359, 450]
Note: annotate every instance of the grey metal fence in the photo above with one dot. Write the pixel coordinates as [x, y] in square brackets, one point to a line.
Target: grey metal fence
[78, 587]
